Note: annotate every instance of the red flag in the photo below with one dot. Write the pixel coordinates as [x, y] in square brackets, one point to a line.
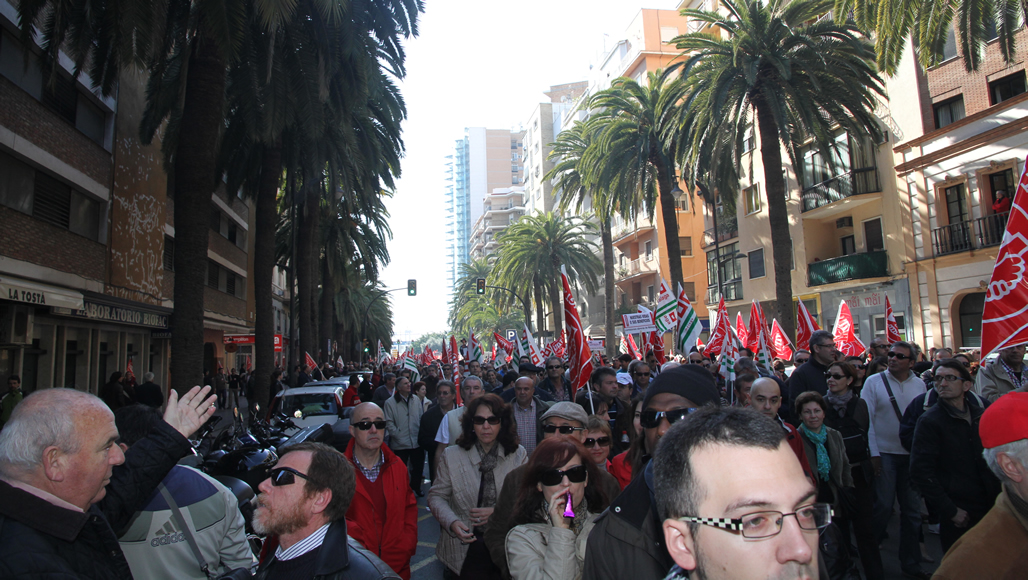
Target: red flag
[308, 360]
[454, 353]
[632, 349]
[247, 364]
[700, 347]
[805, 326]
[445, 355]
[505, 344]
[1005, 317]
[131, 374]
[722, 326]
[780, 342]
[742, 332]
[892, 331]
[759, 330]
[493, 359]
[580, 358]
[845, 337]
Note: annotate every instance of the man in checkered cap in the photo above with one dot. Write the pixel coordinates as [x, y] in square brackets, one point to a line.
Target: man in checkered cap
[997, 547]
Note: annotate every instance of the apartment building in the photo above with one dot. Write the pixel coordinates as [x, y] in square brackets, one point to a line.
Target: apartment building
[500, 209]
[87, 236]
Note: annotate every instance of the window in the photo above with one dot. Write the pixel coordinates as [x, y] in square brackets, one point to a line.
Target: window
[949, 50]
[1002, 181]
[169, 253]
[216, 220]
[51, 201]
[731, 269]
[873, 238]
[230, 284]
[649, 293]
[648, 251]
[751, 195]
[683, 204]
[849, 245]
[971, 308]
[690, 290]
[879, 323]
[1007, 87]
[213, 275]
[956, 204]
[948, 111]
[685, 246]
[748, 141]
[667, 33]
[48, 199]
[756, 260]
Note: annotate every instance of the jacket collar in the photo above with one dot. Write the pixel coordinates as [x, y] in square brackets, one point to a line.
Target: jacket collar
[40, 514]
[1015, 505]
[337, 556]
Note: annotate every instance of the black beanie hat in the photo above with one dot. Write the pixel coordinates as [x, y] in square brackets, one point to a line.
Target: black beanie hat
[690, 381]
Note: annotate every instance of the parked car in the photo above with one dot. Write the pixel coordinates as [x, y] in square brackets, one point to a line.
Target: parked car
[315, 403]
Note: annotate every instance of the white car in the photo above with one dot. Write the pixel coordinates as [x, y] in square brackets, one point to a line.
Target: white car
[311, 404]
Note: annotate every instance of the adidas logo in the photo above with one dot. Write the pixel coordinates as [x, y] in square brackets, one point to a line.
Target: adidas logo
[169, 533]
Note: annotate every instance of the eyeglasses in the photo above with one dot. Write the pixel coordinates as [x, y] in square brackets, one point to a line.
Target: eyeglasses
[834, 376]
[284, 476]
[492, 419]
[899, 356]
[601, 441]
[551, 367]
[761, 525]
[800, 361]
[564, 429]
[948, 378]
[830, 345]
[651, 419]
[641, 374]
[365, 425]
[553, 477]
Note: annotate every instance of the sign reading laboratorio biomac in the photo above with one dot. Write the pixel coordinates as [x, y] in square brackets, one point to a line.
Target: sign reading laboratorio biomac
[119, 314]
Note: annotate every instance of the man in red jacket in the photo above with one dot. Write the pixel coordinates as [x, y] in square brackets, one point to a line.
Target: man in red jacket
[766, 399]
[383, 493]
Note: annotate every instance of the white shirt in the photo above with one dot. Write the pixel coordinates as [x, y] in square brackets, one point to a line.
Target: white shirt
[883, 433]
[305, 545]
[442, 434]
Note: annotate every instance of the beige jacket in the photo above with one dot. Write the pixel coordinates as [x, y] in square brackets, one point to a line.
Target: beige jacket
[993, 381]
[455, 492]
[543, 552]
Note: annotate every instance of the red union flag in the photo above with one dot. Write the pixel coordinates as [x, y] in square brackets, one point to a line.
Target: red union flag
[805, 326]
[741, 331]
[309, 361]
[453, 354]
[758, 328]
[845, 338]
[780, 342]
[892, 331]
[580, 358]
[722, 326]
[1005, 318]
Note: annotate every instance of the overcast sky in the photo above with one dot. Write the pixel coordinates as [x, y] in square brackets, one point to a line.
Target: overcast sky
[477, 63]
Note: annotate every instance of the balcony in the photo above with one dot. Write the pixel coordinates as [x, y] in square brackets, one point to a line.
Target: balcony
[638, 266]
[975, 234]
[727, 228]
[856, 182]
[733, 291]
[852, 267]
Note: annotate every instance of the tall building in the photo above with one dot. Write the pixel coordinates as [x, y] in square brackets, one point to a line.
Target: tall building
[501, 208]
[482, 161]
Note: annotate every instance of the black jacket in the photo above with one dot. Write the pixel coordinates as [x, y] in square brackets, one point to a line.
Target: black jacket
[946, 462]
[149, 393]
[853, 425]
[39, 540]
[922, 403]
[810, 376]
[339, 558]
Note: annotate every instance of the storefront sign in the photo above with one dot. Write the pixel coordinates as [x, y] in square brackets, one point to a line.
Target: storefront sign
[867, 300]
[39, 294]
[118, 314]
[251, 339]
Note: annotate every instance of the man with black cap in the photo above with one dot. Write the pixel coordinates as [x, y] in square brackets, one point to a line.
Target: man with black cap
[627, 541]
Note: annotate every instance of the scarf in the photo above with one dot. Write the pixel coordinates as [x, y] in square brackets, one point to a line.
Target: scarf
[1018, 383]
[487, 486]
[581, 514]
[839, 402]
[819, 438]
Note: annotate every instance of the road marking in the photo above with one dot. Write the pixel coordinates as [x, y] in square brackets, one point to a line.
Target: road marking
[422, 563]
[424, 517]
[426, 544]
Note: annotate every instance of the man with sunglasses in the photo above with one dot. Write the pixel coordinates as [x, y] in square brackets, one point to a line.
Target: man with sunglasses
[878, 347]
[733, 500]
[383, 515]
[627, 541]
[449, 428]
[887, 393]
[1003, 374]
[641, 374]
[302, 510]
[558, 387]
[563, 419]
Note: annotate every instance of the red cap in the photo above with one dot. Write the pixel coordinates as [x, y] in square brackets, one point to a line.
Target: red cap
[1005, 421]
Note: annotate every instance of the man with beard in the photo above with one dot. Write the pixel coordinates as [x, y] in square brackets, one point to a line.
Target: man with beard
[734, 501]
[302, 508]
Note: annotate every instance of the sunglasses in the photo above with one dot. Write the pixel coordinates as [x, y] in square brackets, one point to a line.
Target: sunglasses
[601, 441]
[550, 368]
[284, 476]
[800, 361]
[564, 429]
[365, 425]
[899, 356]
[491, 419]
[651, 419]
[553, 477]
[838, 377]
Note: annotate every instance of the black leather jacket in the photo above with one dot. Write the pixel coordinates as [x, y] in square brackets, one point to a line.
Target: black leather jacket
[339, 558]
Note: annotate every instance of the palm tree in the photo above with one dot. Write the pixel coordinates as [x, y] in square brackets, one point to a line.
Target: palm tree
[533, 249]
[574, 178]
[928, 24]
[639, 163]
[802, 81]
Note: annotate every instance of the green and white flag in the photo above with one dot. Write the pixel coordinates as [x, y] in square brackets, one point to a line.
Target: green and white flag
[689, 327]
[474, 349]
[412, 365]
[666, 315]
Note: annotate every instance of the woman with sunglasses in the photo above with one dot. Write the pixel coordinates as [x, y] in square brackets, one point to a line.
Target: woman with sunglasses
[468, 480]
[597, 441]
[861, 369]
[548, 541]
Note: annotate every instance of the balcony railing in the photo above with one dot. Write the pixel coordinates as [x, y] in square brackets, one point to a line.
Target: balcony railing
[970, 235]
[856, 182]
[733, 291]
[727, 228]
[640, 265]
[853, 267]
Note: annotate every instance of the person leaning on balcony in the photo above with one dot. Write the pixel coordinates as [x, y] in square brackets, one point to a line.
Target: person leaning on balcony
[1002, 203]
[1002, 374]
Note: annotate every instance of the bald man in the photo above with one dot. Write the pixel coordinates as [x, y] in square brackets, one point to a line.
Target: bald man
[766, 399]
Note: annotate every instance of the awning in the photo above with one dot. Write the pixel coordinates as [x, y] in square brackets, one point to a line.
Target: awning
[39, 294]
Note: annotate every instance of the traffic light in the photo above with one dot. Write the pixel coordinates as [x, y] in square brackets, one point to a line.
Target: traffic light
[480, 289]
[366, 349]
[412, 287]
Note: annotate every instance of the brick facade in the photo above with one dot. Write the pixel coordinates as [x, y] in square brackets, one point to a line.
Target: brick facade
[950, 78]
[24, 237]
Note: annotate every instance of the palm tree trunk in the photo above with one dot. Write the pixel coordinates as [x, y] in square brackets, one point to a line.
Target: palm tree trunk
[668, 211]
[306, 242]
[607, 239]
[778, 215]
[263, 271]
[195, 180]
[326, 314]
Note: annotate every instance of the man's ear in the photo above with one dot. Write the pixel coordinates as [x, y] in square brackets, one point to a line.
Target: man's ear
[1011, 467]
[680, 543]
[54, 463]
[321, 501]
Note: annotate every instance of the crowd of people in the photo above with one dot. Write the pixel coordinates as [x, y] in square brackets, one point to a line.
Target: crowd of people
[652, 470]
